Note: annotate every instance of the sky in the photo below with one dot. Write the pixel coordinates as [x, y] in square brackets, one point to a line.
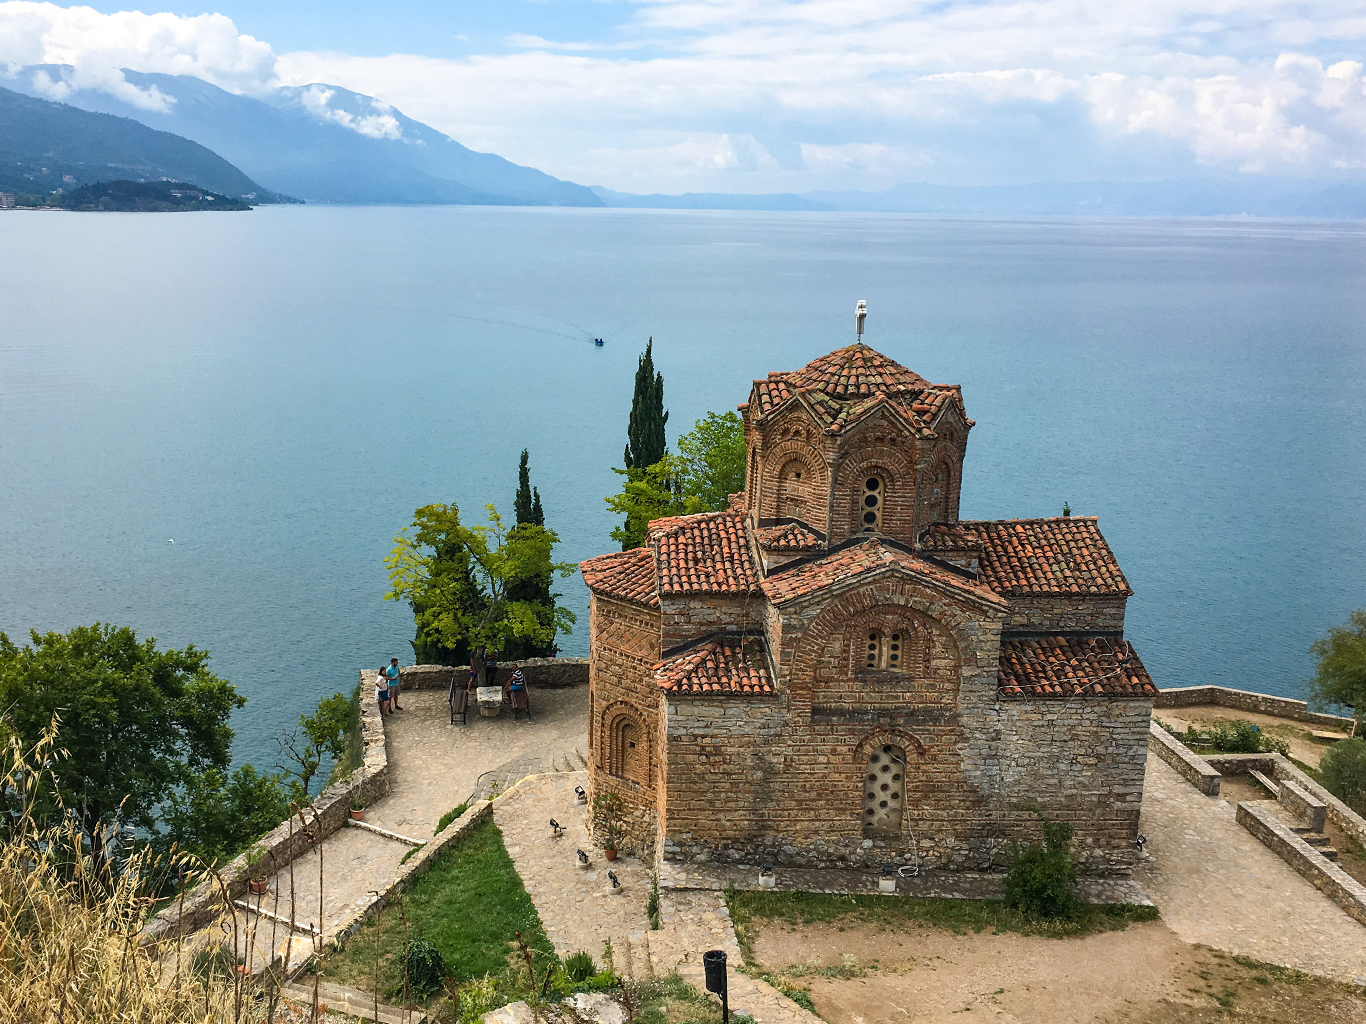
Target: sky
[788, 95]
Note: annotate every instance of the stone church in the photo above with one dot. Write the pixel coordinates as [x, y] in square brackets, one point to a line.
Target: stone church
[838, 671]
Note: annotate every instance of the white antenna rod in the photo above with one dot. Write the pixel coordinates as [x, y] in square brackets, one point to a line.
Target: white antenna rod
[860, 314]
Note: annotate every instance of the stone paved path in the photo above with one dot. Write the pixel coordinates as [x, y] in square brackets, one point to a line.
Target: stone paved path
[433, 766]
[1216, 884]
[578, 914]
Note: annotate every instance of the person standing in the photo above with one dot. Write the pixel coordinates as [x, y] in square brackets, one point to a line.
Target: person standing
[491, 669]
[382, 692]
[395, 680]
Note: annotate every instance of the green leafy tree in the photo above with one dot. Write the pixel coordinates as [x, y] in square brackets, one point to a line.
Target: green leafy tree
[450, 616]
[138, 723]
[645, 443]
[1341, 677]
[217, 815]
[711, 460]
[709, 468]
[1343, 767]
[319, 736]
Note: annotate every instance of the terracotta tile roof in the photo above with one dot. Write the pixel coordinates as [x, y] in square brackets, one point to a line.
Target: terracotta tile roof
[802, 580]
[703, 554]
[1060, 555]
[789, 537]
[628, 575]
[842, 387]
[1058, 666]
[728, 664]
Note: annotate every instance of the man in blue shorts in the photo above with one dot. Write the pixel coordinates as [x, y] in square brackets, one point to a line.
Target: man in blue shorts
[392, 674]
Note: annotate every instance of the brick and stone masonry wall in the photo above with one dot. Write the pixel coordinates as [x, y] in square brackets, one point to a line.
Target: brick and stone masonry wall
[1036, 613]
[625, 639]
[753, 778]
[683, 619]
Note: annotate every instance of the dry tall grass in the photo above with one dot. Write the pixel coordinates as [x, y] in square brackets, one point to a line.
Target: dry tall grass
[71, 948]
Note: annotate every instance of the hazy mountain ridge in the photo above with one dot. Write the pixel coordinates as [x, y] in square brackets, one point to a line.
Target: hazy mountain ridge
[43, 144]
[321, 143]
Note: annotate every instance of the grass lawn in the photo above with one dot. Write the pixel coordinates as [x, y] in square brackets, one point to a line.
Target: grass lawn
[468, 905]
[898, 911]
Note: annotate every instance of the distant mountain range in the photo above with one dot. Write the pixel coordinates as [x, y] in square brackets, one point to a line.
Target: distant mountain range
[48, 146]
[320, 143]
[1246, 195]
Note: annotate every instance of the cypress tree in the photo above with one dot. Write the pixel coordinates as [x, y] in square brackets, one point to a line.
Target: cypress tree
[645, 432]
[537, 513]
[522, 504]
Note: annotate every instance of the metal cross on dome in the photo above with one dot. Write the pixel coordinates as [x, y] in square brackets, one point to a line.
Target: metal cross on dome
[860, 314]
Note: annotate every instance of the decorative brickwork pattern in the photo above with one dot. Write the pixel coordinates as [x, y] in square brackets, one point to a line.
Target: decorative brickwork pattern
[1059, 666]
[731, 664]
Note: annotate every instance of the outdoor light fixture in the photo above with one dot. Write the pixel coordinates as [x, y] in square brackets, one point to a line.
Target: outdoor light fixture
[555, 830]
[887, 883]
[580, 797]
[767, 879]
[614, 887]
[583, 860]
[714, 964]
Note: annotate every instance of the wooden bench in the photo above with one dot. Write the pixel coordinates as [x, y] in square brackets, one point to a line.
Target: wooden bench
[459, 699]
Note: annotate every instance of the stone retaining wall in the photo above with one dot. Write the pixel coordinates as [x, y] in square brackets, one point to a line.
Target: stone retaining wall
[288, 840]
[418, 864]
[1190, 766]
[1280, 768]
[551, 673]
[1323, 874]
[1245, 700]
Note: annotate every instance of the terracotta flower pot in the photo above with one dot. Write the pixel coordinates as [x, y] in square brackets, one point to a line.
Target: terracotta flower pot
[610, 854]
[357, 815]
[260, 886]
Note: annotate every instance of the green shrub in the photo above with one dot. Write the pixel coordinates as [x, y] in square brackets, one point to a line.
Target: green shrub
[579, 966]
[449, 817]
[1343, 769]
[422, 963]
[1040, 880]
[1237, 737]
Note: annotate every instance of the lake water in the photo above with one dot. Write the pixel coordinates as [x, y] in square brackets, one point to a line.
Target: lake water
[278, 390]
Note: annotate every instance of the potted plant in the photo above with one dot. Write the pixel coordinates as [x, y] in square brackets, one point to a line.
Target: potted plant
[357, 811]
[256, 870]
[607, 814]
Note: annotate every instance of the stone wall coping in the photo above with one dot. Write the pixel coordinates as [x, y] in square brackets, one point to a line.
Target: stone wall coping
[1303, 805]
[1281, 769]
[1246, 700]
[550, 673]
[1189, 765]
[326, 815]
[1323, 874]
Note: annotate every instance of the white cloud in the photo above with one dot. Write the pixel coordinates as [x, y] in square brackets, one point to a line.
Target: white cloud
[757, 95]
[97, 45]
[381, 124]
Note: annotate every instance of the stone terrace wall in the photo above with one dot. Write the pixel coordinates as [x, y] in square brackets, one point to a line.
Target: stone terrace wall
[1245, 700]
[551, 673]
[329, 812]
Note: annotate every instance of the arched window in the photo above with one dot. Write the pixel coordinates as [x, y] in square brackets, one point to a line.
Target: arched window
[884, 650]
[794, 488]
[884, 790]
[871, 508]
[624, 750]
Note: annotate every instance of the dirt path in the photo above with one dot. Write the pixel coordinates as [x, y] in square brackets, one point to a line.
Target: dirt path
[1145, 973]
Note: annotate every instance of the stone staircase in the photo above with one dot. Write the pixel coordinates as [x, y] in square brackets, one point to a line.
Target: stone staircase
[1320, 842]
[509, 773]
[631, 956]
